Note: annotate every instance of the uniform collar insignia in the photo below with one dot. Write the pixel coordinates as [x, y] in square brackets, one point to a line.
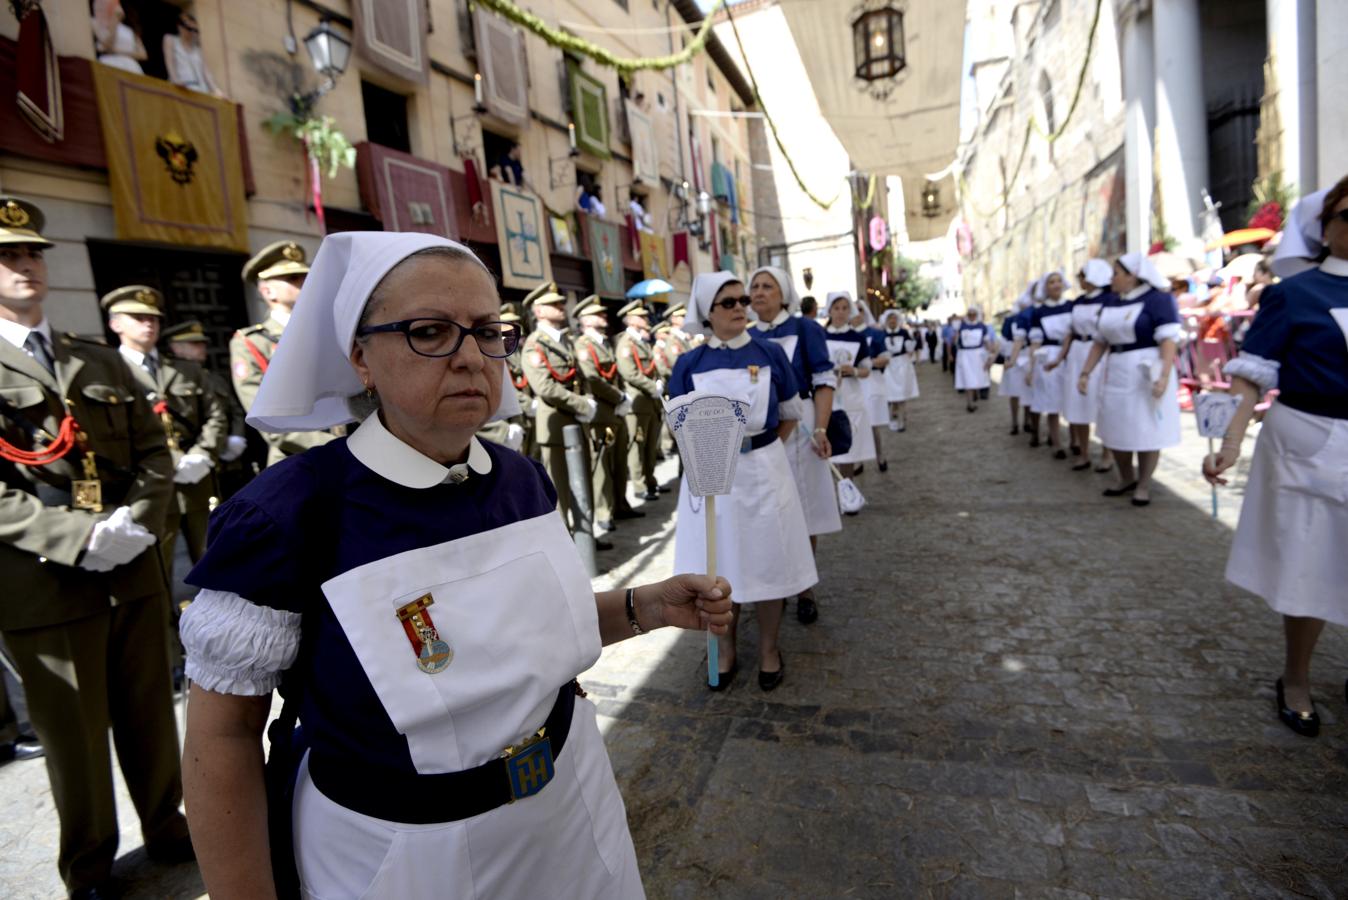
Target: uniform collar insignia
[388, 457]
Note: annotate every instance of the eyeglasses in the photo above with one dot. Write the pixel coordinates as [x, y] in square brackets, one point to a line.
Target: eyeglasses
[730, 303]
[1341, 215]
[443, 337]
[186, 27]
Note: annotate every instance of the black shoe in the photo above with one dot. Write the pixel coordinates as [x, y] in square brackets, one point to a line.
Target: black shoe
[770, 680]
[172, 852]
[26, 746]
[861, 467]
[604, 525]
[1034, 441]
[651, 495]
[1119, 492]
[1081, 467]
[663, 489]
[806, 610]
[723, 679]
[969, 407]
[105, 891]
[602, 545]
[622, 514]
[883, 465]
[1104, 469]
[1061, 454]
[1014, 431]
[1304, 724]
[1076, 451]
[1137, 502]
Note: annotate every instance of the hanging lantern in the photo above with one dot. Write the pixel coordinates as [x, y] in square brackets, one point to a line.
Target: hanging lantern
[931, 200]
[878, 40]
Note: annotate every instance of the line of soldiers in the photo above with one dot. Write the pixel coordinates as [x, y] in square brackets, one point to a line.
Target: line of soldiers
[615, 390]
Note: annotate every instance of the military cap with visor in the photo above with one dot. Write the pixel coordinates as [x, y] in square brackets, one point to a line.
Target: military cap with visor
[545, 293]
[190, 331]
[21, 222]
[635, 308]
[278, 260]
[135, 300]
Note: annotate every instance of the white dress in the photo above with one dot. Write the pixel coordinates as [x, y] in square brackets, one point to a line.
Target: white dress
[762, 543]
[900, 375]
[969, 359]
[1078, 408]
[121, 55]
[850, 397]
[1047, 387]
[1130, 418]
[877, 400]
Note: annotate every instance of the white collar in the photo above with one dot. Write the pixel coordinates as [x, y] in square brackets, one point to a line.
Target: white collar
[635, 333]
[838, 329]
[550, 331]
[1054, 304]
[135, 357]
[1332, 265]
[1138, 291]
[734, 343]
[781, 317]
[16, 334]
[279, 315]
[597, 336]
[387, 456]
[1091, 295]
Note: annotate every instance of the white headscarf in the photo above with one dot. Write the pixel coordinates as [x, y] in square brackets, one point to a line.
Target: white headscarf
[888, 314]
[863, 309]
[705, 288]
[1098, 272]
[790, 299]
[1142, 267]
[310, 377]
[977, 313]
[851, 304]
[1041, 286]
[1301, 244]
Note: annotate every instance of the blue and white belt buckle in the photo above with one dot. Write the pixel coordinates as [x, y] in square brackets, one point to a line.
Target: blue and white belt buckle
[529, 766]
[746, 444]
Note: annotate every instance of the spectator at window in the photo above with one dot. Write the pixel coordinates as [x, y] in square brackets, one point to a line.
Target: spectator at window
[117, 41]
[590, 199]
[182, 57]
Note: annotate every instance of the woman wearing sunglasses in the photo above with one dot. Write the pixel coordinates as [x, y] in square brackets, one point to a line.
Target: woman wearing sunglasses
[416, 593]
[1289, 544]
[762, 541]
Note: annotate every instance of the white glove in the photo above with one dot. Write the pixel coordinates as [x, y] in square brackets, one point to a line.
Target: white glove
[625, 407]
[532, 409]
[116, 541]
[514, 436]
[659, 386]
[588, 416]
[192, 468]
[235, 444]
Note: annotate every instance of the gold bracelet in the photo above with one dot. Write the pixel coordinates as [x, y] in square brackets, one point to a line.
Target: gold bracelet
[632, 612]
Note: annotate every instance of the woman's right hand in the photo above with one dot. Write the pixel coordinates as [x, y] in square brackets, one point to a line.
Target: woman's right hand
[847, 371]
[1083, 384]
[1214, 464]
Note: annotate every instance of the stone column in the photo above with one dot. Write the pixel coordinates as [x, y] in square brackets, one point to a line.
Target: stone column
[1181, 115]
[1291, 46]
[1139, 98]
[1331, 56]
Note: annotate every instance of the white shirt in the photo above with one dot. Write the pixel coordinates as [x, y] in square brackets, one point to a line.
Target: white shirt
[554, 333]
[279, 315]
[734, 343]
[135, 357]
[16, 334]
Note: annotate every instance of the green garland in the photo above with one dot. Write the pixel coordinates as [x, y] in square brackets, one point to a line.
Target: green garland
[572, 44]
[322, 140]
[772, 126]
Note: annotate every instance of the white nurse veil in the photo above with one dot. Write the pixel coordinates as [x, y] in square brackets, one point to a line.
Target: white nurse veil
[1301, 244]
[705, 288]
[310, 376]
[790, 299]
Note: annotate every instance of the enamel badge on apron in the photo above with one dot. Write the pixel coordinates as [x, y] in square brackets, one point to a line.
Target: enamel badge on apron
[433, 654]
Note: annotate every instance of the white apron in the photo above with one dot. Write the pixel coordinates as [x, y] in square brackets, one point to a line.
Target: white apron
[851, 398]
[814, 480]
[1046, 390]
[969, 371]
[900, 376]
[1130, 419]
[517, 610]
[762, 544]
[1013, 377]
[1293, 531]
[1078, 408]
[877, 401]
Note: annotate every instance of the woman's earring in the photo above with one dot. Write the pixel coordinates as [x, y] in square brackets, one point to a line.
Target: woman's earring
[369, 393]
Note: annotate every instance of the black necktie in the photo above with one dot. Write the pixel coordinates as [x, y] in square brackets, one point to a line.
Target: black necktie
[152, 366]
[36, 345]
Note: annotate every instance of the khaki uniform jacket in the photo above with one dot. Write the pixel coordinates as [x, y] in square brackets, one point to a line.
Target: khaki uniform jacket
[550, 367]
[196, 419]
[523, 393]
[600, 369]
[224, 392]
[40, 543]
[646, 400]
[247, 373]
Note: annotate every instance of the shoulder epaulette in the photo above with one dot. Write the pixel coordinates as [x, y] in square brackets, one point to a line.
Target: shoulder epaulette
[94, 341]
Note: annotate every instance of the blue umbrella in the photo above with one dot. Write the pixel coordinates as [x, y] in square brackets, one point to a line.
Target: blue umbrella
[649, 288]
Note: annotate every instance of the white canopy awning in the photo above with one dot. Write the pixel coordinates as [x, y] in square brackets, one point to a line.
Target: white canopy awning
[914, 131]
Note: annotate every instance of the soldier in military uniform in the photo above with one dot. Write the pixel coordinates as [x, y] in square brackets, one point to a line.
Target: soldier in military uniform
[523, 393]
[194, 420]
[188, 341]
[278, 271]
[636, 364]
[86, 481]
[677, 341]
[608, 431]
[550, 366]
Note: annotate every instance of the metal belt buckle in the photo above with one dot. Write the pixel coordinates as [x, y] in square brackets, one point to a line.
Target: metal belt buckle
[87, 493]
[529, 766]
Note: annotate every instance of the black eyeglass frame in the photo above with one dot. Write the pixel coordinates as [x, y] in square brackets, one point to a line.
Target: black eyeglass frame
[511, 335]
[730, 303]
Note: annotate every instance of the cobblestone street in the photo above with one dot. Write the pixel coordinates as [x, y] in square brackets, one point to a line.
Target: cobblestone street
[1016, 688]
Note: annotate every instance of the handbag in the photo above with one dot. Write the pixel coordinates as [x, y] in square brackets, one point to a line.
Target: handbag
[839, 432]
[850, 498]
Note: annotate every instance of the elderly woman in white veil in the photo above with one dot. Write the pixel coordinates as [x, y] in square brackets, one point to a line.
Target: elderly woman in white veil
[414, 593]
[1139, 411]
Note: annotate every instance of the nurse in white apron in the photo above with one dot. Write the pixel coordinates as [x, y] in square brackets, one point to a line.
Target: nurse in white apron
[873, 388]
[416, 594]
[1050, 324]
[973, 357]
[900, 375]
[1015, 360]
[1289, 547]
[851, 354]
[762, 544]
[1080, 410]
[802, 339]
[1139, 402]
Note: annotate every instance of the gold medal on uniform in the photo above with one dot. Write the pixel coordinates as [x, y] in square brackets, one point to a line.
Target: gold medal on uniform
[87, 492]
[753, 374]
[433, 655]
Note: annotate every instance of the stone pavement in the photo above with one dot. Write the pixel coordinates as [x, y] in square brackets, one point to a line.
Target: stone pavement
[1017, 688]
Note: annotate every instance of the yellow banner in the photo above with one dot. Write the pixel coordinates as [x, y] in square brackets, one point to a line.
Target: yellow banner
[173, 162]
[654, 256]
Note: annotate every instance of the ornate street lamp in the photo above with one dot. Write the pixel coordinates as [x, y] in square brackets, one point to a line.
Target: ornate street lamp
[878, 41]
[329, 51]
